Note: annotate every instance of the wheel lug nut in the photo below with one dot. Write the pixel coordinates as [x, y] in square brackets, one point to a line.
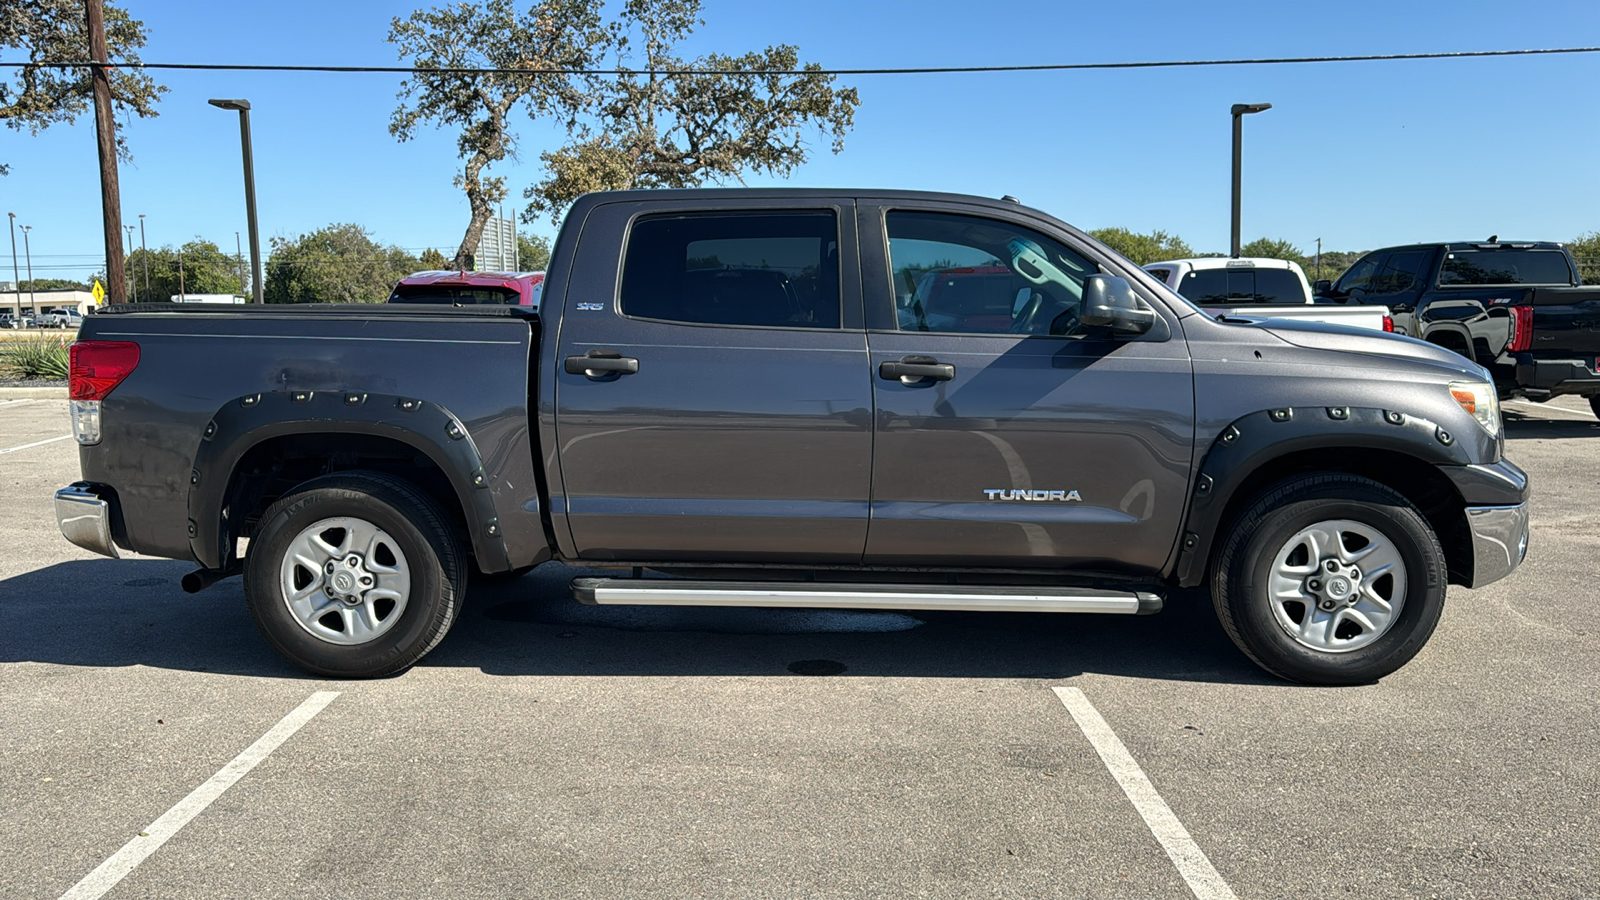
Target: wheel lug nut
[1315, 584]
[1328, 605]
[1332, 566]
[366, 580]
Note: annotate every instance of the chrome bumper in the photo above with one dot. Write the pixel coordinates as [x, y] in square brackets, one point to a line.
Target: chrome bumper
[1499, 541]
[85, 519]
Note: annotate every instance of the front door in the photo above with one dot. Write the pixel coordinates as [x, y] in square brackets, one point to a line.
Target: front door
[713, 399]
[1007, 433]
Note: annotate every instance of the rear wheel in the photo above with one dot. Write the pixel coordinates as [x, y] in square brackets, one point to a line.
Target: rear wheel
[354, 575]
[1594, 404]
[1330, 579]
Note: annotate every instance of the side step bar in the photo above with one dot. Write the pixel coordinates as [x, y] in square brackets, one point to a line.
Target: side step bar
[978, 598]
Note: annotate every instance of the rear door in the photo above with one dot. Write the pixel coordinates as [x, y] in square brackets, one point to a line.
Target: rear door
[713, 399]
[1047, 444]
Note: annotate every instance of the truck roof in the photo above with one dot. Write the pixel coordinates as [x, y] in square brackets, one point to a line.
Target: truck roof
[1224, 262]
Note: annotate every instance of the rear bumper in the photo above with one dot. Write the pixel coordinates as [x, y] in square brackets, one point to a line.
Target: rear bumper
[1499, 541]
[1555, 377]
[85, 518]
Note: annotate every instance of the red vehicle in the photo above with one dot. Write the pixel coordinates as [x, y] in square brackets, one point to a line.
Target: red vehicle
[470, 288]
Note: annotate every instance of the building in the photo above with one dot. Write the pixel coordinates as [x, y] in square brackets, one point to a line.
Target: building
[38, 302]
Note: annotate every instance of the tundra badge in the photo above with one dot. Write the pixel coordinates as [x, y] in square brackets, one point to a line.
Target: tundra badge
[998, 494]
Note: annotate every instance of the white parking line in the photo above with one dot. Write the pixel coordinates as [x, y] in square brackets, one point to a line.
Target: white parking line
[134, 852]
[1547, 408]
[1197, 871]
[63, 437]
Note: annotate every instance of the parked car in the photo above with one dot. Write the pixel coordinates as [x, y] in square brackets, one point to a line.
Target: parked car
[1518, 308]
[1260, 287]
[721, 392]
[62, 318]
[470, 288]
[10, 320]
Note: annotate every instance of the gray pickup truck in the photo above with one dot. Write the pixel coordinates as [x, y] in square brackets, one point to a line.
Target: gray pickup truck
[801, 398]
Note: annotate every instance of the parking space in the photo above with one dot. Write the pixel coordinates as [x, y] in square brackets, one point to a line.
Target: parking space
[552, 750]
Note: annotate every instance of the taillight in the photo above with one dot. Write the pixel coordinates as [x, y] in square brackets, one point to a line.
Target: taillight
[97, 367]
[1521, 329]
[1388, 324]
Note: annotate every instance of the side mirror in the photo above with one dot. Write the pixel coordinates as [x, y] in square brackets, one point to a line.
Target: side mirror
[1109, 302]
[1322, 287]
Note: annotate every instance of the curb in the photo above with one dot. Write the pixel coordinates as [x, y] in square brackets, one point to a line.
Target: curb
[33, 393]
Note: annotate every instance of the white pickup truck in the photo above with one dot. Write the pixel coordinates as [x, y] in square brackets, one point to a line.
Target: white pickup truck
[1258, 287]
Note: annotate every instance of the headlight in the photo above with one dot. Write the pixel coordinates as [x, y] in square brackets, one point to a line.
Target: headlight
[1480, 402]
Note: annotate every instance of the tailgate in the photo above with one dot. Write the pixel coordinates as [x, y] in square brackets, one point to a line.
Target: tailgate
[1566, 324]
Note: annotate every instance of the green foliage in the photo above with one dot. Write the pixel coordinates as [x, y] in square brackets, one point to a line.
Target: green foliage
[658, 126]
[37, 358]
[1585, 250]
[198, 267]
[34, 98]
[433, 260]
[52, 284]
[551, 34]
[533, 252]
[337, 264]
[1269, 248]
[1143, 249]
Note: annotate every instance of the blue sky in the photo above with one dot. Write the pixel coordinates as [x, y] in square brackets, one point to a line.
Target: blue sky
[1359, 154]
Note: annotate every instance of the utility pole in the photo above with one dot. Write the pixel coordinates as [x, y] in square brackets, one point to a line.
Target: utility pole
[1319, 259]
[105, 127]
[183, 297]
[1239, 111]
[144, 258]
[29, 252]
[238, 252]
[132, 278]
[16, 277]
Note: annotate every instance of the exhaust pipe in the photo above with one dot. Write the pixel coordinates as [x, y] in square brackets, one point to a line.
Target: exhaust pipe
[200, 579]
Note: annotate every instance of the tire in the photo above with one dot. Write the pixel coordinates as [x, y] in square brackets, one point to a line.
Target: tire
[1343, 634]
[390, 537]
[1594, 404]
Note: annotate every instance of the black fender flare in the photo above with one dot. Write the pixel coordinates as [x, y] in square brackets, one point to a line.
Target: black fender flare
[1256, 439]
[245, 422]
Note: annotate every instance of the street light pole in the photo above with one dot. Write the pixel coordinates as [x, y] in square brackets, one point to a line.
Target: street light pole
[28, 251]
[239, 254]
[144, 253]
[16, 276]
[133, 279]
[1240, 110]
[243, 107]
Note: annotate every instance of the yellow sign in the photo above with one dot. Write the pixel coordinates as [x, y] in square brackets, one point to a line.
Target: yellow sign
[99, 293]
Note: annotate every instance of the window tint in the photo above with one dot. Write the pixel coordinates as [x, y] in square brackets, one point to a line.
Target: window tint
[1468, 267]
[1242, 287]
[443, 293]
[1401, 272]
[779, 270]
[1359, 276]
[969, 275]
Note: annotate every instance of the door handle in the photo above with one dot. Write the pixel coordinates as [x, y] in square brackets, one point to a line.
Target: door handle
[602, 365]
[915, 370]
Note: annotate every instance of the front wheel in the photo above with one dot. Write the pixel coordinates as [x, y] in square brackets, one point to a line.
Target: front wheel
[1594, 404]
[354, 575]
[1330, 579]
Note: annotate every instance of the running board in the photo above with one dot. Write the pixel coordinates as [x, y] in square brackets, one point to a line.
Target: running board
[977, 598]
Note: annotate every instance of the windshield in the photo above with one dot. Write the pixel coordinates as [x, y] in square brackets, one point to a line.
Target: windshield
[1465, 268]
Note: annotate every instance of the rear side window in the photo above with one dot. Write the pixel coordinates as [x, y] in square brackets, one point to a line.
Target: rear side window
[1242, 287]
[768, 269]
[1401, 272]
[448, 294]
[1463, 268]
[1163, 275]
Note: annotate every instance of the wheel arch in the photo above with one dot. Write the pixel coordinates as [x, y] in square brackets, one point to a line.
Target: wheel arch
[1404, 456]
[259, 446]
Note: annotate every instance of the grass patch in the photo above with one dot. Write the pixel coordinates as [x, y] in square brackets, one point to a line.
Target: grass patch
[36, 358]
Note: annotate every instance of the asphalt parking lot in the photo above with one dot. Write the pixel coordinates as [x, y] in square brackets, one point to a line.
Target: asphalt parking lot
[547, 749]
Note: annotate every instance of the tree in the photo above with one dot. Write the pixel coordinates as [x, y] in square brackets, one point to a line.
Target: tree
[533, 253]
[1585, 249]
[203, 267]
[1273, 249]
[36, 97]
[432, 260]
[683, 123]
[552, 34]
[337, 264]
[52, 284]
[1143, 249]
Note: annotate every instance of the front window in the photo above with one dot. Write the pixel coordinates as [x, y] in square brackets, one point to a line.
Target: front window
[966, 275]
[1468, 268]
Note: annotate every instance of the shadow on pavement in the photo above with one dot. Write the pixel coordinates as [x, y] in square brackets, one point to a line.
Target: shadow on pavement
[132, 612]
[1520, 426]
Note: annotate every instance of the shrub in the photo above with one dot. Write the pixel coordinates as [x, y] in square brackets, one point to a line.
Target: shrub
[38, 358]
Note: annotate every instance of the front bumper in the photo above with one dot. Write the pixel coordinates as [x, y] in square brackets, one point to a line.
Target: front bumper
[1499, 541]
[85, 519]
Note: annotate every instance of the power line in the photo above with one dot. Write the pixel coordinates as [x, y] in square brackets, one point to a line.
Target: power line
[910, 70]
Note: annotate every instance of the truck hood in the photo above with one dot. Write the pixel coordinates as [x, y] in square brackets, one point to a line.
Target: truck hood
[1345, 339]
